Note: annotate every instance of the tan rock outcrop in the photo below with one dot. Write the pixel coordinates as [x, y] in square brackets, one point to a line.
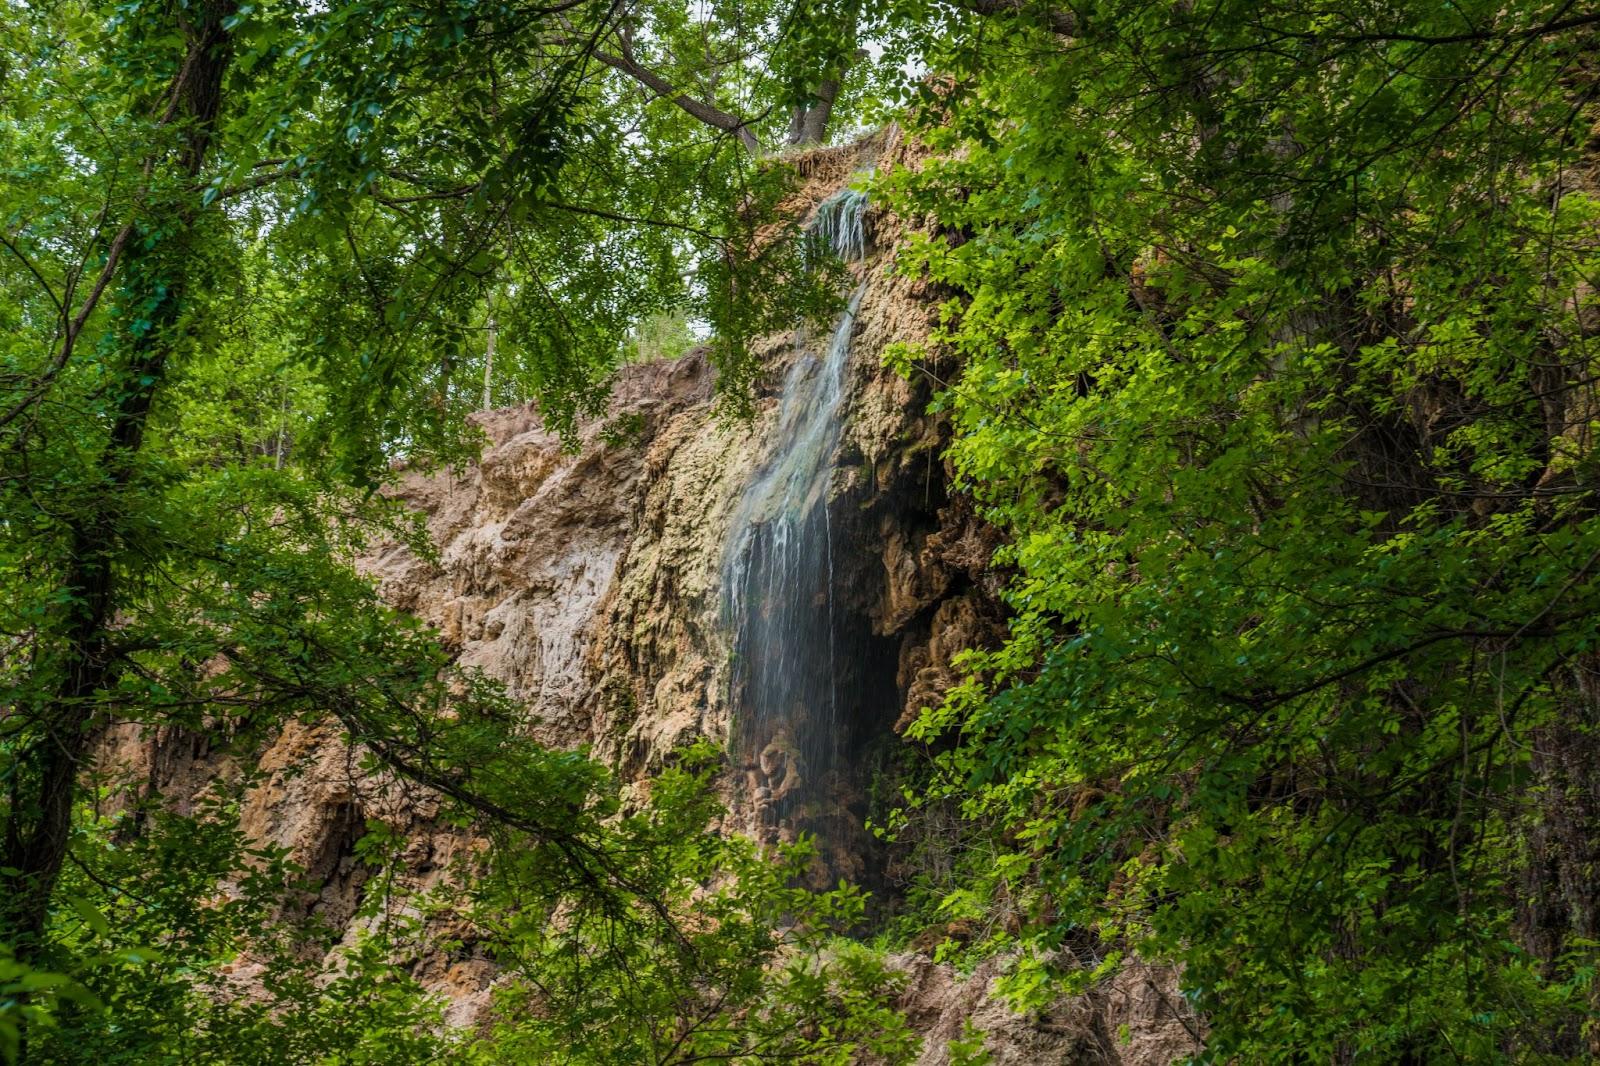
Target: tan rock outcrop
[590, 581]
[1136, 1018]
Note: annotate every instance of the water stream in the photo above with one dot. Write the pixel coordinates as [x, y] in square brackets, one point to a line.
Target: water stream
[793, 677]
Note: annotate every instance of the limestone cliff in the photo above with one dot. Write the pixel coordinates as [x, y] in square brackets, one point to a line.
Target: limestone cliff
[590, 582]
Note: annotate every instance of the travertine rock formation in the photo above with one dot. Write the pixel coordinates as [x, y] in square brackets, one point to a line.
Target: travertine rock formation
[590, 582]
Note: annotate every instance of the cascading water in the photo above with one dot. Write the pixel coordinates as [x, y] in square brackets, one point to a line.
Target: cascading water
[795, 655]
[840, 224]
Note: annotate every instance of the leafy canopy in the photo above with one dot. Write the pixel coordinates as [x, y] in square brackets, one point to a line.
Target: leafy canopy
[1276, 330]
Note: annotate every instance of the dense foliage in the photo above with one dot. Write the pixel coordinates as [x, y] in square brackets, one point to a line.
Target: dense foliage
[1269, 346]
[1277, 331]
[250, 253]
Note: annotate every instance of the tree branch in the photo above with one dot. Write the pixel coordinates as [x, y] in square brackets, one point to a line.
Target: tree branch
[709, 114]
[1063, 23]
[74, 327]
[45, 285]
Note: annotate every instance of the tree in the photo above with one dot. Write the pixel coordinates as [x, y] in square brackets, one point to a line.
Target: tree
[243, 247]
[1277, 327]
[755, 970]
[744, 68]
[70, 656]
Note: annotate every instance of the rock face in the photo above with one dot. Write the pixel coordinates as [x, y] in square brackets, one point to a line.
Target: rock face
[591, 583]
[1136, 1018]
[531, 537]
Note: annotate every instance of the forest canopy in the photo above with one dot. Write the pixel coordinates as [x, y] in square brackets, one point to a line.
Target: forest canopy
[1267, 346]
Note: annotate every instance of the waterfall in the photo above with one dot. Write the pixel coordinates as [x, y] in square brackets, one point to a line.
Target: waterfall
[780, 577]
[839, 225]
[779, 581]
[797, 648]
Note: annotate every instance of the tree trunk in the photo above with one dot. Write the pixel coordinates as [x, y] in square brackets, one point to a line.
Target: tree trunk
[488, 362]
[154, 276]
[808, 124]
